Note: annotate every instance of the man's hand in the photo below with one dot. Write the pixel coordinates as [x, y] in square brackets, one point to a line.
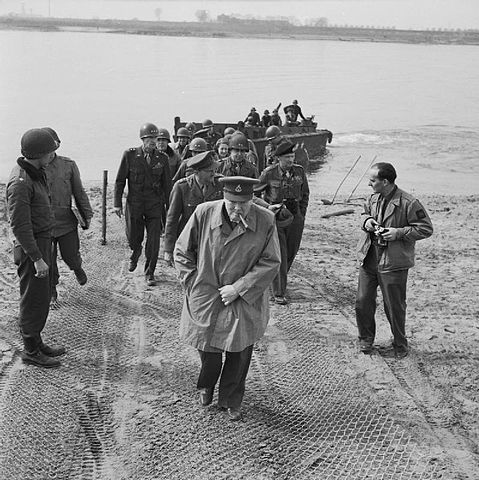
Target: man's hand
[391, 234]
[228, 294]
[370, 225]
[87, 225]
[119, 211]
[275, 207]
[168, 256]
[41, 268]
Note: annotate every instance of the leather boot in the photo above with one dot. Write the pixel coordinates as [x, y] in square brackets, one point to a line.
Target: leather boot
[39, 359]
[34, 356]
[51, 351]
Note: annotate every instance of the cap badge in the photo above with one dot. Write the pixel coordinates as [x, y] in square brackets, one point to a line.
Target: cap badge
[238, 189]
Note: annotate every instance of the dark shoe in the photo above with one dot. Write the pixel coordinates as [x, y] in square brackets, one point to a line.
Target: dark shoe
[55, 351]
[39, 359]
[280, 300]
[150, 280]
[365, 346]
[401, 353]
[234, 414]
[206, 396]
[132, 266]
[81, 276]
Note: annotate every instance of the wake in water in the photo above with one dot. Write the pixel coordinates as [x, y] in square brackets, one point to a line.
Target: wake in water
[428, 158]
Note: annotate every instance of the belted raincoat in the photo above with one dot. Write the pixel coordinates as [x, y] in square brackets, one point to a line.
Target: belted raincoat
[209, 255]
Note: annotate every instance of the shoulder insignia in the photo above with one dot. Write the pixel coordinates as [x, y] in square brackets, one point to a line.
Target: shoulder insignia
[132, 149]
[420, 213]
[182, 180]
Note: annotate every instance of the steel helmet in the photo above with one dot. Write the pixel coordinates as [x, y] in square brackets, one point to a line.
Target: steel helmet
[183, 132]
[266, 112]
[207, 123]
[52, 133]
[272, 132]
[164, 133]
[238, 141]
[224, 141]
[191, 127]
[229, 131]
[148, 130]
[198, 145]
[36, 143]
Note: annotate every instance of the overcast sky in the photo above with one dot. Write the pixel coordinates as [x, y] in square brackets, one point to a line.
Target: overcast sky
[399, 13]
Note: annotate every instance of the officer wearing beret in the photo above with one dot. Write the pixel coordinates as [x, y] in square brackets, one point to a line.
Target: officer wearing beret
[227, 256]
[149, 184]
[199, 187]
[32, 221]
[286, 187]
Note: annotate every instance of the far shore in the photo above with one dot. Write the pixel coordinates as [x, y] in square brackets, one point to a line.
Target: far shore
[241, 29]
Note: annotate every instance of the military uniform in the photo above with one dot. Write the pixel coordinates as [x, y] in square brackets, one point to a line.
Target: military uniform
[64, 182]
[228, 168]
[31, 219]
[149, 186]
[290, 188]
[186, 195]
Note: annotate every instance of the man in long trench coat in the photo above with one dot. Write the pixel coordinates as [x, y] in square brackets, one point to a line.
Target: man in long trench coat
[227, 256]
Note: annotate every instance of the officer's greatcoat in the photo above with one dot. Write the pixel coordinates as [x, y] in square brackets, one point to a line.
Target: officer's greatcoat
[209, 255]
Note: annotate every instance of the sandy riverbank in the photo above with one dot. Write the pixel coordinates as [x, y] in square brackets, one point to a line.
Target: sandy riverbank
[435, 392]
[242, 29]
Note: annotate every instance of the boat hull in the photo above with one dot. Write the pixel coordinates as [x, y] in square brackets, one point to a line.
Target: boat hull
[307, 137]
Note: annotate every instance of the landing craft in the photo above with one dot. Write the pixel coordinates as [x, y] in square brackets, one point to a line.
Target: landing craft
[311, 142]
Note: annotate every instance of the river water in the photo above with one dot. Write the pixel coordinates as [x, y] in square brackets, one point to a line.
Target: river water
[412, 105]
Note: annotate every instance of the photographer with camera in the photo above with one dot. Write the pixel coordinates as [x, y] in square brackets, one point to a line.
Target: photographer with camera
[392, 222]
[287, 187]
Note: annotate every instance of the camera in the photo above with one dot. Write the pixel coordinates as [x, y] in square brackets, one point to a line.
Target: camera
[379, 231]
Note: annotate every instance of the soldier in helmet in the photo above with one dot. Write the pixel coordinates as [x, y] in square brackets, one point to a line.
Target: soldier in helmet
[286, 187]
[229, 131]
[237, 163]
[273, 134]
[191, 127]
[32, 220]
[266, 119]
[292, 112]
[149, 184]
[183, 136]
[197, 146]
[163, 145]
[209, 134]
[253, 118]
[276, 119]
[199, 187]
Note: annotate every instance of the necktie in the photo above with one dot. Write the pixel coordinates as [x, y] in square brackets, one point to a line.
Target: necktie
[148, 159]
